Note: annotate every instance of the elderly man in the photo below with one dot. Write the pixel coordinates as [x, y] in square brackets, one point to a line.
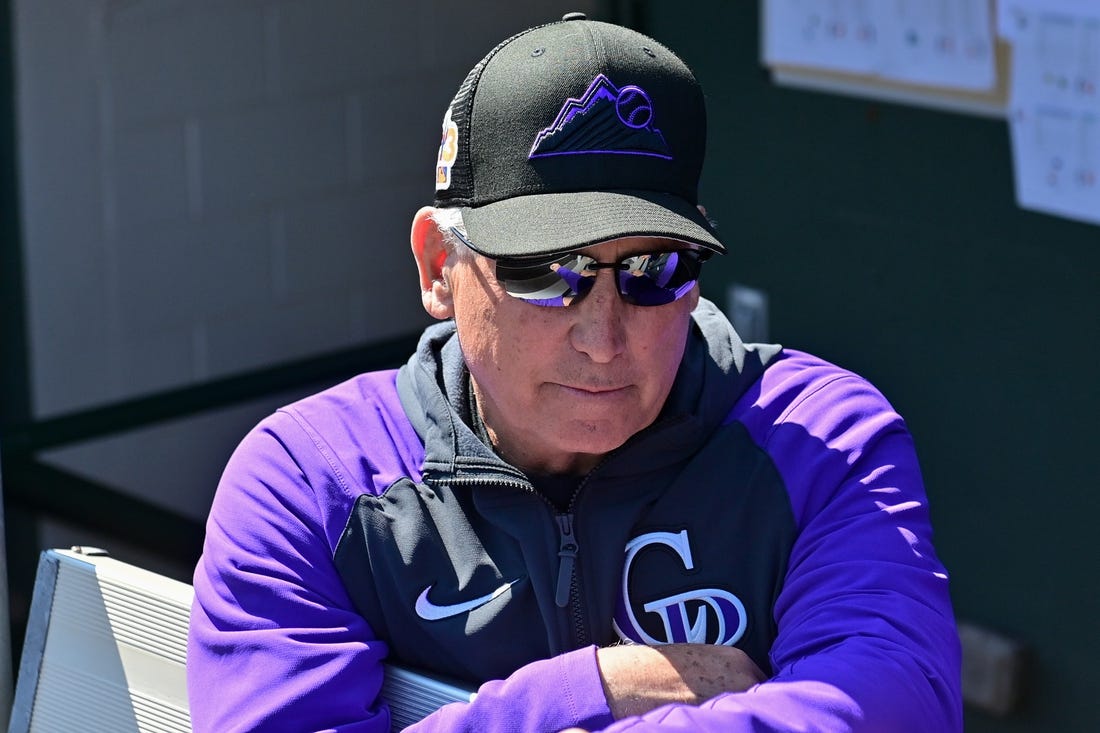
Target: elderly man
[583, 493]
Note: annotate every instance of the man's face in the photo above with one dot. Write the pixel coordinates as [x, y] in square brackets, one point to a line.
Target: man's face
[560, 387]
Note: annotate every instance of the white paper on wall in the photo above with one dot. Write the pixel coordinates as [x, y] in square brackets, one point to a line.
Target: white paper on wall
[1054, 107]
[946, 43]
[1013, 15]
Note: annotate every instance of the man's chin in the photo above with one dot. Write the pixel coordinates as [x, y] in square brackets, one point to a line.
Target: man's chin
[594, 437]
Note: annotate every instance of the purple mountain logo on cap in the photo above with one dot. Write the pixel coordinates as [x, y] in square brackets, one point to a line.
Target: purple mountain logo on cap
[606, 119]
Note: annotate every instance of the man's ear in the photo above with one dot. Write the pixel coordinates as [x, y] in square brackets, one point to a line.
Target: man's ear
[430, 252]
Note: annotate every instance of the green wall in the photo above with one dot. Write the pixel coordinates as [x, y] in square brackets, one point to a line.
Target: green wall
[889, 241]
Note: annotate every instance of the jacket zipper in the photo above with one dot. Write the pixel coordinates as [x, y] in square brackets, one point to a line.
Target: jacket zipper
[567, 588]
[568, 583]
[567, 551]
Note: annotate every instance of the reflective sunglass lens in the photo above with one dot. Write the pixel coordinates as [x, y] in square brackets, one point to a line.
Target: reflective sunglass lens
[543, 281]
[659, 278]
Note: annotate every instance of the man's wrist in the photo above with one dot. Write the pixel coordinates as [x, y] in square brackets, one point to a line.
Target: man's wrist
[638, 678]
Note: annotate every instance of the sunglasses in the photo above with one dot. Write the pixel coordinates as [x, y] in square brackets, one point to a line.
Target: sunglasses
[559, 280]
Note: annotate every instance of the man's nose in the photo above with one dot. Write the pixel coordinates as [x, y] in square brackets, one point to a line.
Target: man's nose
[599, 328]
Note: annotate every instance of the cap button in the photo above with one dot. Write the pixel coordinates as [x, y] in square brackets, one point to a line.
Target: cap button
[574, 16]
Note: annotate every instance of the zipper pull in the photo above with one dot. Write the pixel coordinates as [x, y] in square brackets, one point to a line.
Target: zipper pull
[567, 551]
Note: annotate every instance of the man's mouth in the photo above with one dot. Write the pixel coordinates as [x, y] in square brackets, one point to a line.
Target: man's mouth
[595, 390]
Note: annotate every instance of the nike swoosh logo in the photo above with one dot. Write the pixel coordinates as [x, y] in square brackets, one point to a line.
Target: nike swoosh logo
[429, 611]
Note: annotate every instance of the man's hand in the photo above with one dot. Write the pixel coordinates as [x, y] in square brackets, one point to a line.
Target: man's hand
[639, 678]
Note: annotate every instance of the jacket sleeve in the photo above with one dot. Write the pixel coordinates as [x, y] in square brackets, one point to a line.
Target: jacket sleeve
[866, 636]
[548, 695]
[275, 643]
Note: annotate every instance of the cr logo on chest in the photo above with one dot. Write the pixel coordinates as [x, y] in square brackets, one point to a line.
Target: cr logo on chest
[719, 616]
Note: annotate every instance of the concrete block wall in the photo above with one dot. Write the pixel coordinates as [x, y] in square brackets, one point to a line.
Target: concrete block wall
[211, 187]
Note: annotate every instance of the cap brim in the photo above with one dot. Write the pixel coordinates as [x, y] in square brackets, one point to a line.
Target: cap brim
[556, 222]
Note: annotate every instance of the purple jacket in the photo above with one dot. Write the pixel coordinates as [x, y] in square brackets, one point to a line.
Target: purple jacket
[775, 505]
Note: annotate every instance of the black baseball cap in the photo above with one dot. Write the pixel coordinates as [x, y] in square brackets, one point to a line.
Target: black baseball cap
[572, 133]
